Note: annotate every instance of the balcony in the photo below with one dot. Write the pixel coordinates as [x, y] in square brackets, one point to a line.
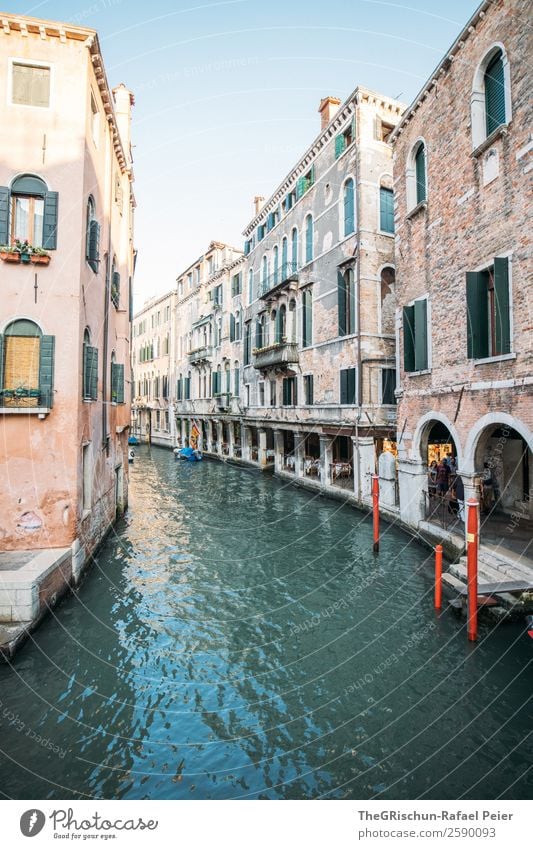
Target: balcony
[222, 401]
[286, 273]
[279, 354]
[201, 355]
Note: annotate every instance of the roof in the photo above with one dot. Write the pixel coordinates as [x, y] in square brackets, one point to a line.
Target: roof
[441, 68]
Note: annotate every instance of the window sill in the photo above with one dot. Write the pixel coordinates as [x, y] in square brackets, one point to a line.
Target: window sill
[416, 209]
[386, 233]
[498, 359]
[502, 130]
[28, 411]
[417, 373]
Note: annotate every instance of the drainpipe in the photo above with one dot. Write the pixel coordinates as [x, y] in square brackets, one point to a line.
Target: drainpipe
[105, 436]
[358, 284]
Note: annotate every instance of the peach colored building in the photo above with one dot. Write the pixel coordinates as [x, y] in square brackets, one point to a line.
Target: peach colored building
[66, 196]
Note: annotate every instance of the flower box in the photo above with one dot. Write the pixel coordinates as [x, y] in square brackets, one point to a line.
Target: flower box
[40, 259]
[9, 256]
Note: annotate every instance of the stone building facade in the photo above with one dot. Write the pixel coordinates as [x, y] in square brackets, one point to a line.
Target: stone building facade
[66, 230]
[463, 202]
[285, 357]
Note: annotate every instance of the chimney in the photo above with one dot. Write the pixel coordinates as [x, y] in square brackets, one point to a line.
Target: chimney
[328, 108]
[258, 203]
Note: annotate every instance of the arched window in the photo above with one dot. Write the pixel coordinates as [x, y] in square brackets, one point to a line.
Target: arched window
[307, 318]
[264, 275]
[281, 324]
[236, 378]
[92, 236]
[294, 250]
[276, 265]
[250, 286]
[284, 259]
[309, 238]
[491, 94]
[416, 175]
[227, 370]
[349, 207]
[90, 368]
[28, 365]
[115, 283]
[33, 213]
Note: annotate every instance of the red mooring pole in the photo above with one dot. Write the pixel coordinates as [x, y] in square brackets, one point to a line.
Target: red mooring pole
[375, 510]
[472, 543]
[438, 577]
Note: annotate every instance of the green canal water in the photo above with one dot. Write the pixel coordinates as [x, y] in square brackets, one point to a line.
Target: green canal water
[237, 638]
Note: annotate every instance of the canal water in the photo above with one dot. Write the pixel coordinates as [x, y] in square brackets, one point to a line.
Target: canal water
[237, 638]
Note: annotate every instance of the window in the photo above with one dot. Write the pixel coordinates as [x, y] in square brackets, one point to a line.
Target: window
[117, 382]
[247, 343]
[272, 393]
[349, 207]
[227, 371]
[289, 201]
[284, 259]
[260, 332]
[92, 241]
[386, 210]
[262, 394]
[494, 93]
[247, 247]
[294, 249]
[90, 369]
[30, 85]
[26, 366]
[187, 388]
[383, 129]
[275, 280]
[216, 295]
[415, 336]
[189, 280]
[489, 311]
[305, 182]
[87, 477]
[388, 385]
[264, 274]
[238, 326]
[307, 318]
[115, 284]
[308, 389]
[236, 284]
[236, 378]
[344, 139]
[281, 324]
[346, 301]
[309, 238]
[250, 286]
[210, 265]
[289, 392]
[261, 232]
[28, 211]
[420, 173]
[179, 388]
[349, 386]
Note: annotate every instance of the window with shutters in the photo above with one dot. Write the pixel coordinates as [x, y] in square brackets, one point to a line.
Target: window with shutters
[261, 388]
[187, 388]
[416, 177]
[294, 251]
[304, 183]
[272, 393]
[488, 299]
[289, 200]
[28, 212]
[92, 239]
[90, 369]
[250, 285]
[349, 207]
[415, 336]
[348, 386]
[344, 139]
[115, 284]
[307, 318]
[388, 386]
[309, 238]
[346, 301]
[289, 387]
[30, 84]
[308, 389]
[236, 378]
[179, 388]
[26, 366]
[386, 210]
[491, 95]
[117, 381]
[236, 284]
[247, 343]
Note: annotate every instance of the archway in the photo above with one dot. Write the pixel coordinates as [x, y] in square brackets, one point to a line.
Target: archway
[503, 465]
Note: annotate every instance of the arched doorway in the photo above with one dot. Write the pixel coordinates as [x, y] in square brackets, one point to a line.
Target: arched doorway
[503, 465]
[439, 455]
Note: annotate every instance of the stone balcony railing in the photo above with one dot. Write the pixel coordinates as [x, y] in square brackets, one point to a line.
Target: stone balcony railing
[200, 355]
[286, 273]
[279, 354]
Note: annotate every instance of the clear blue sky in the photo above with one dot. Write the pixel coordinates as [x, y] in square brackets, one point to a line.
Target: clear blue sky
[227, 96]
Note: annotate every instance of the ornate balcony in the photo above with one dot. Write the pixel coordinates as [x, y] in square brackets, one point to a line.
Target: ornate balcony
[201, 355]
[286, 273]
[280, 354]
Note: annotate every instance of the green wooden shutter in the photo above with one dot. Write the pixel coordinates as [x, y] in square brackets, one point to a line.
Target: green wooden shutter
[386, 210]
[117, 383]
[231, 328]
[4, 215]
[388, 385]
[309, 239]
[349, 385]
[344, 386]
[494, 94]
[300, 187]
[236, 381]
[46, 371]
[477, 316]
[51, 201]
[502, 306]
[93, 374]
[341, 294]
[294, 390]
[350, 291]
[93, 245]
[409, 338]
[340, 145]
[421, 335]
[420, 168]
[1, 363]
[349, 222]
[115, 288]
[214, 382]
[310, 388]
